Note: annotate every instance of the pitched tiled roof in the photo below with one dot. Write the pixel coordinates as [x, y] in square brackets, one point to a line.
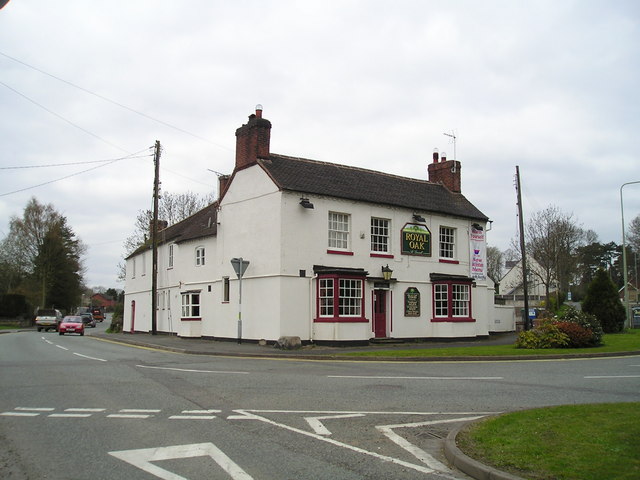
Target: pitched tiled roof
[341, 181]
[201, 224]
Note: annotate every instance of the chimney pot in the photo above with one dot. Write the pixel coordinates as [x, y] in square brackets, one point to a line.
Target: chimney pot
[444, 156]
[259, 111]
[435, 155]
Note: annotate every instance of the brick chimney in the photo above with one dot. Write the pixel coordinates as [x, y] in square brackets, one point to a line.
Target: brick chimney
[252, 140]
[446, 172]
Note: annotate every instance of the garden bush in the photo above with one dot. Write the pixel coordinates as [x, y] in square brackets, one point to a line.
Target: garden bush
[586, 321]
[546, 335]
[578, 335]
[571, 329]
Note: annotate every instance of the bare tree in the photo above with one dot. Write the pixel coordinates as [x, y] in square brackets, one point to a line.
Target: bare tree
[552, 238]
[633, 234]
[172, 208]
[495, 263]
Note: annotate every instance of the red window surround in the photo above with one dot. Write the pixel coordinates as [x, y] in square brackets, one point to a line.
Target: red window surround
[339, 252]
[450, 314]
[381, 255]
[330, 292]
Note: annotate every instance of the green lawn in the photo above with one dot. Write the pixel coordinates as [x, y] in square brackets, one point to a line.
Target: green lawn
[573, 442]
[627, 341]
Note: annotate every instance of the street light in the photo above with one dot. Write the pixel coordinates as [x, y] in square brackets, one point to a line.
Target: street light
[624, 258]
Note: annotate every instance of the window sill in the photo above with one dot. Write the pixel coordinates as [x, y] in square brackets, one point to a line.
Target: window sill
[445, 260]
[339, 252]
[341, 320]
[191, 319]
[381, 255]
[454, 319]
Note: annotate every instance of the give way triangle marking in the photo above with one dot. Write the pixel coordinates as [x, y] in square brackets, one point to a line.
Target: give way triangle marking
[320, 429]
[143, 458]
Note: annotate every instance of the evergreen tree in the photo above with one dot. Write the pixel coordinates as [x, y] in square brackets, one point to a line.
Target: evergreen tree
[602, 300]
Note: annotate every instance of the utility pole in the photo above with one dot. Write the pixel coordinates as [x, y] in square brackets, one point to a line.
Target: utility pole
[525, 287]
[154, 242]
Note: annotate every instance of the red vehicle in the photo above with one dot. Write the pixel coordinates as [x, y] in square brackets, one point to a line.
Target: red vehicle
[71, 324]
[97, 314]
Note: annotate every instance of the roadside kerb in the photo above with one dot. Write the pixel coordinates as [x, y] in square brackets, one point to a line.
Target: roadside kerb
[468, 465]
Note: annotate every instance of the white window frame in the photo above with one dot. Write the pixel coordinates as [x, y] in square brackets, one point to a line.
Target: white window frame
[380, 239]
[447, 242]
[200, 256]
[170, 260]
[191, 305]
[340, 299]
[338, 230]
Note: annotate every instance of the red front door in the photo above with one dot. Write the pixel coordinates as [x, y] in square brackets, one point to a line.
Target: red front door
[380, 313]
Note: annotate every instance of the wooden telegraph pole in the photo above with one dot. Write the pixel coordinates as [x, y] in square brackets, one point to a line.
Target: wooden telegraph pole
[525, 287]
[154, 242]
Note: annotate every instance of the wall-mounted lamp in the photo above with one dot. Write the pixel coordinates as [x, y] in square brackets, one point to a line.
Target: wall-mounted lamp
[477, 226]
[386, 273]
[418, 218]
[306, 203]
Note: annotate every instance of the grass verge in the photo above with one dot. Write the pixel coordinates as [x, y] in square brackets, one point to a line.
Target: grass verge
[627, 341]
[573, 442]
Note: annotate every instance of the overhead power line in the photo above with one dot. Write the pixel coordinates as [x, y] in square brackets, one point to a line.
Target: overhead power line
[106, 99]
[63, 118]
[132, 156]
[69, 164]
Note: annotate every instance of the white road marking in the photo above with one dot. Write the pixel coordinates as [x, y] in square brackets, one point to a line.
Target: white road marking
[320, 429]
[420, 454]
[192, 417]
[19, 414]
[613, 376]
[69, 415]
[379, 377]
[144, 457]
[139, 410]
[128, 415]
[134, 413]
[61, 347]
[201, 411]
[384, 458]
[340, 412]
[92, 410]
[27, 411]
[190, 370]
[90, 358]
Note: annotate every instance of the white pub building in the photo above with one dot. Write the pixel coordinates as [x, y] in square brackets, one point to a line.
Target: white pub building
[336, 254]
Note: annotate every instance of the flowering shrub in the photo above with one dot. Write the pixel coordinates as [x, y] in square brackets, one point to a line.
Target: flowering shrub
[572, 329]
[547, 335]
[578, 335]
[585, 320]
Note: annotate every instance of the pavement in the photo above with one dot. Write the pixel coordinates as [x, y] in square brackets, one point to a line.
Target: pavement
[250, 349]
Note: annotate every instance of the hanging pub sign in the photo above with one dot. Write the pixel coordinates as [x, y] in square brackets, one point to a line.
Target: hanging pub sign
[416, 240]
[412, 302]
[478, 250]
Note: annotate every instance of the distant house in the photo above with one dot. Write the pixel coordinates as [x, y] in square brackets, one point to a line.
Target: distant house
[101, 300]
[336, 253]
[633, 293]
[512, 286]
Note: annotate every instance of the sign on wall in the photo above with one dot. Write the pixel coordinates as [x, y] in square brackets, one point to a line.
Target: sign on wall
[412, 302]
[478, 250]
[416, 240]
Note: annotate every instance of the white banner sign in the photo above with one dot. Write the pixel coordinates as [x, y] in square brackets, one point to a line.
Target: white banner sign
[478, 248]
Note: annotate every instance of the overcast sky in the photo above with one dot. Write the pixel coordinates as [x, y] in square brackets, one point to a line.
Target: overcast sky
[551, 86]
